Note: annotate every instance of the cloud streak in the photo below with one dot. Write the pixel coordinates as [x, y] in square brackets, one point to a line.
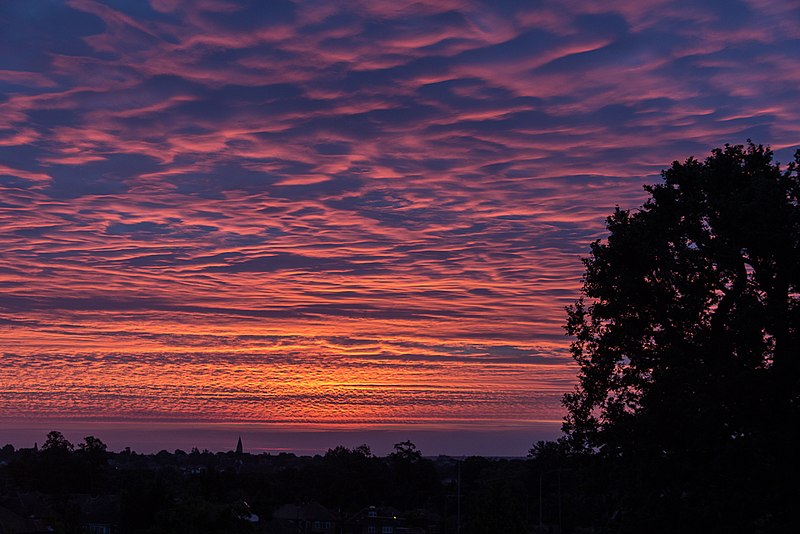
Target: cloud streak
[392, 195]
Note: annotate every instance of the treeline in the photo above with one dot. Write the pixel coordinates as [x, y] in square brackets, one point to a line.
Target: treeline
[80, 487]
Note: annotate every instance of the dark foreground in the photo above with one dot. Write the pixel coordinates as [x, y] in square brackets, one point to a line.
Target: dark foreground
[64, 488]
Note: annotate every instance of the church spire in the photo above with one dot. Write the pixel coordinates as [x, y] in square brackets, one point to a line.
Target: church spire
[239, 449]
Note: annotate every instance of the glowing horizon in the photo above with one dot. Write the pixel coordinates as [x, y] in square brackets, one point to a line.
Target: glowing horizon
[350, 217]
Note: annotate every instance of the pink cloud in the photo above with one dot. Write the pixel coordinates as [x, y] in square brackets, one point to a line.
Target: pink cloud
[351, 207]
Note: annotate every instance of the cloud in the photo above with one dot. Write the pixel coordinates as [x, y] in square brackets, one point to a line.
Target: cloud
[380, 203]
[281, 261]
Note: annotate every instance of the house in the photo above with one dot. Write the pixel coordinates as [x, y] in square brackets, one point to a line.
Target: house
[25, 513]
[99, 514]
[306, 518]
[423, 521]
[374, 520]
[13, 523]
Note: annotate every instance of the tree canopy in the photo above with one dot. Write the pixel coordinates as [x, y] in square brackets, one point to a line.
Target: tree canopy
[687, 337]
[56, 442]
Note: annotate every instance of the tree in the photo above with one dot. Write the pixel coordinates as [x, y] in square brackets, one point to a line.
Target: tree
[349, 479]
[342, 452]
[405, 451]
[92, 446]
[54, 468]
[687, 339]
[94, 454]
[7, 451]
[57, 443]
[414, 479]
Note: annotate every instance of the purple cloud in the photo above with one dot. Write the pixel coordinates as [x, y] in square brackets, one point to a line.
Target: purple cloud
[396, 193]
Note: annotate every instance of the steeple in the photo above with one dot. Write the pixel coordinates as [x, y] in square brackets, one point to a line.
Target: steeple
[239, 449]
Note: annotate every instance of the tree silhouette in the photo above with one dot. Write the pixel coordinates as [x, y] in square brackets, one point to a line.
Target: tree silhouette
[414, 479]
[92, 446]
[687, 339]
[349, 479]
[56, 443]
[405, 451]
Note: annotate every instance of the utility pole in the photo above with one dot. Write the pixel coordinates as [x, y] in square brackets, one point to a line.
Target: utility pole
[558, 471]
[541, 524]
[560, 525]
[458, 500]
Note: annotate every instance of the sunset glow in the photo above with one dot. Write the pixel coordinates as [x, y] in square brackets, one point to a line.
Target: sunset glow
[344, 216]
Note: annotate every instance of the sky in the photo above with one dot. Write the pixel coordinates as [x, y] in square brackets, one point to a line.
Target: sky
[315, 223]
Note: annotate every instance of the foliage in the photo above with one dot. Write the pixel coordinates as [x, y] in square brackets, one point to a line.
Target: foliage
[353, 477]
[211, 492]
[217, 492]
[687, 341]
[57, 443]
[93, 446]
[414, 479]
[405, 451]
